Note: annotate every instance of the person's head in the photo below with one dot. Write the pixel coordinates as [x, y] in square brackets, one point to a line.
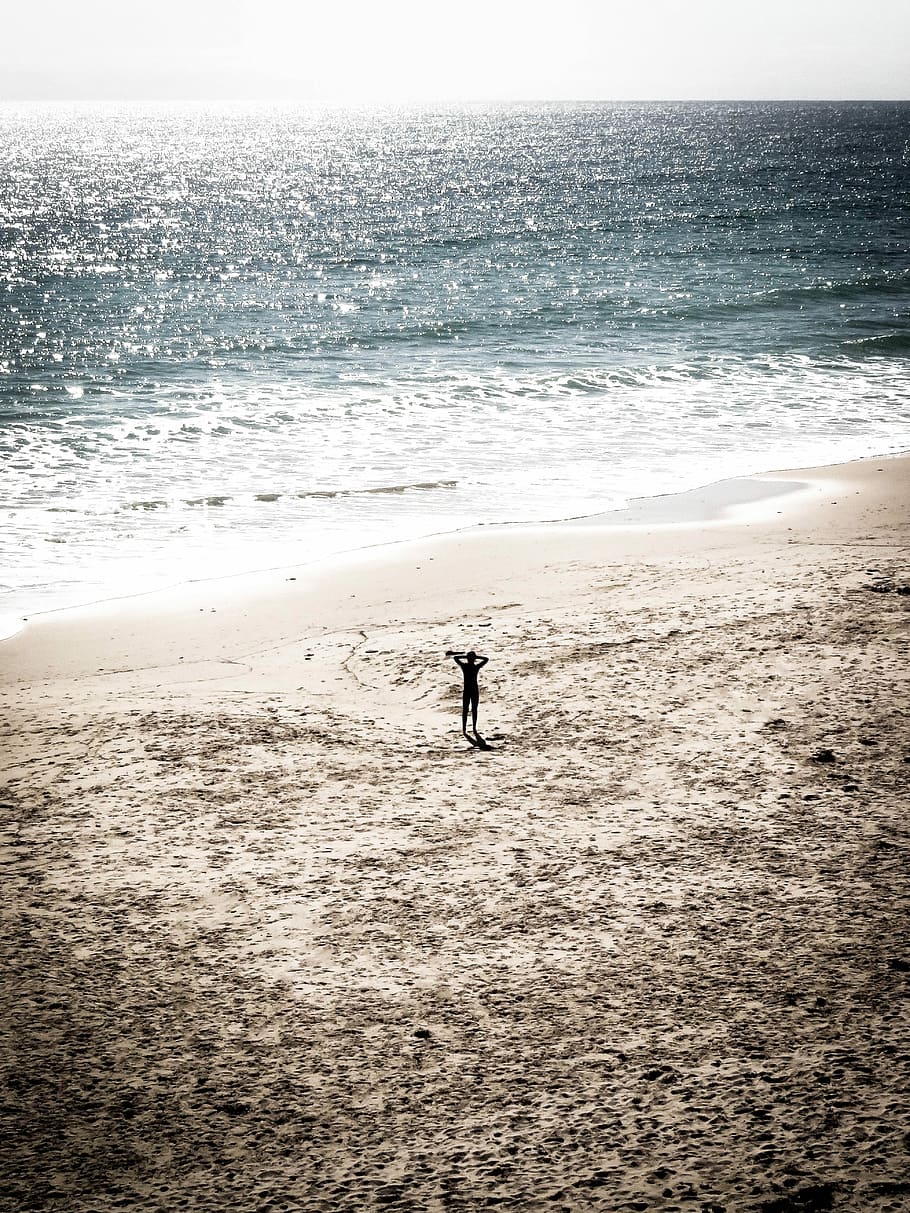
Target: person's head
[471, 655]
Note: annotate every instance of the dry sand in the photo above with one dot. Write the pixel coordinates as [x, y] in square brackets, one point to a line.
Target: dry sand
[276, 938]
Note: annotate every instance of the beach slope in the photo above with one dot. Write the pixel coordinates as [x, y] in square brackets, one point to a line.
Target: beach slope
[275, 935]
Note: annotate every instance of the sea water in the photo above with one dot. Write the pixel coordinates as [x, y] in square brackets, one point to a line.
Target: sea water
[234, 337]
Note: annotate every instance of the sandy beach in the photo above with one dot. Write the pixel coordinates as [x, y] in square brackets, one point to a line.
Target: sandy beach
[276, 937]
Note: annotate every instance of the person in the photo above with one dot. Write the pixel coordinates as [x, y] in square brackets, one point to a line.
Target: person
[470, 664]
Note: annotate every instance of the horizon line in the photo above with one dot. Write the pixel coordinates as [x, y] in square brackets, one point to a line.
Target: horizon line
[364, 102]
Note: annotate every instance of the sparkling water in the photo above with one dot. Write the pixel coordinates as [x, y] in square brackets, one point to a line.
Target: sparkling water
[234, 337]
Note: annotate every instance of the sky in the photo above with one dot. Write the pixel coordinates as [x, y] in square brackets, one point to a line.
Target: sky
[393, 51]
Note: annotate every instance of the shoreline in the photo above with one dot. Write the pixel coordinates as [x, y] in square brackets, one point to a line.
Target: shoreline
[724, 500]
[214, 626]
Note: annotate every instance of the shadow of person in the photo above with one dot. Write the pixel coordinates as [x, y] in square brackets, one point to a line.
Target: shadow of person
[478, 741]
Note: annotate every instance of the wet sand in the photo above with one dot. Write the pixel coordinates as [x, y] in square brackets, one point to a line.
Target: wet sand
[275, 936]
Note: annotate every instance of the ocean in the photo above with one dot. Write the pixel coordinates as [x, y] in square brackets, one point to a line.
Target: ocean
[244, 336]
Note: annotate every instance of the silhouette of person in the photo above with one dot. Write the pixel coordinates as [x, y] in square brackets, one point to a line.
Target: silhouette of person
[470, 663]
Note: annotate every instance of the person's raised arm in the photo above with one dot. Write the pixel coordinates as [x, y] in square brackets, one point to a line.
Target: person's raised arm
[481, 660]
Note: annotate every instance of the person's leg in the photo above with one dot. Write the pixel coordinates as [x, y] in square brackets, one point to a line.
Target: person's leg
[465, 700]
[475, 700]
